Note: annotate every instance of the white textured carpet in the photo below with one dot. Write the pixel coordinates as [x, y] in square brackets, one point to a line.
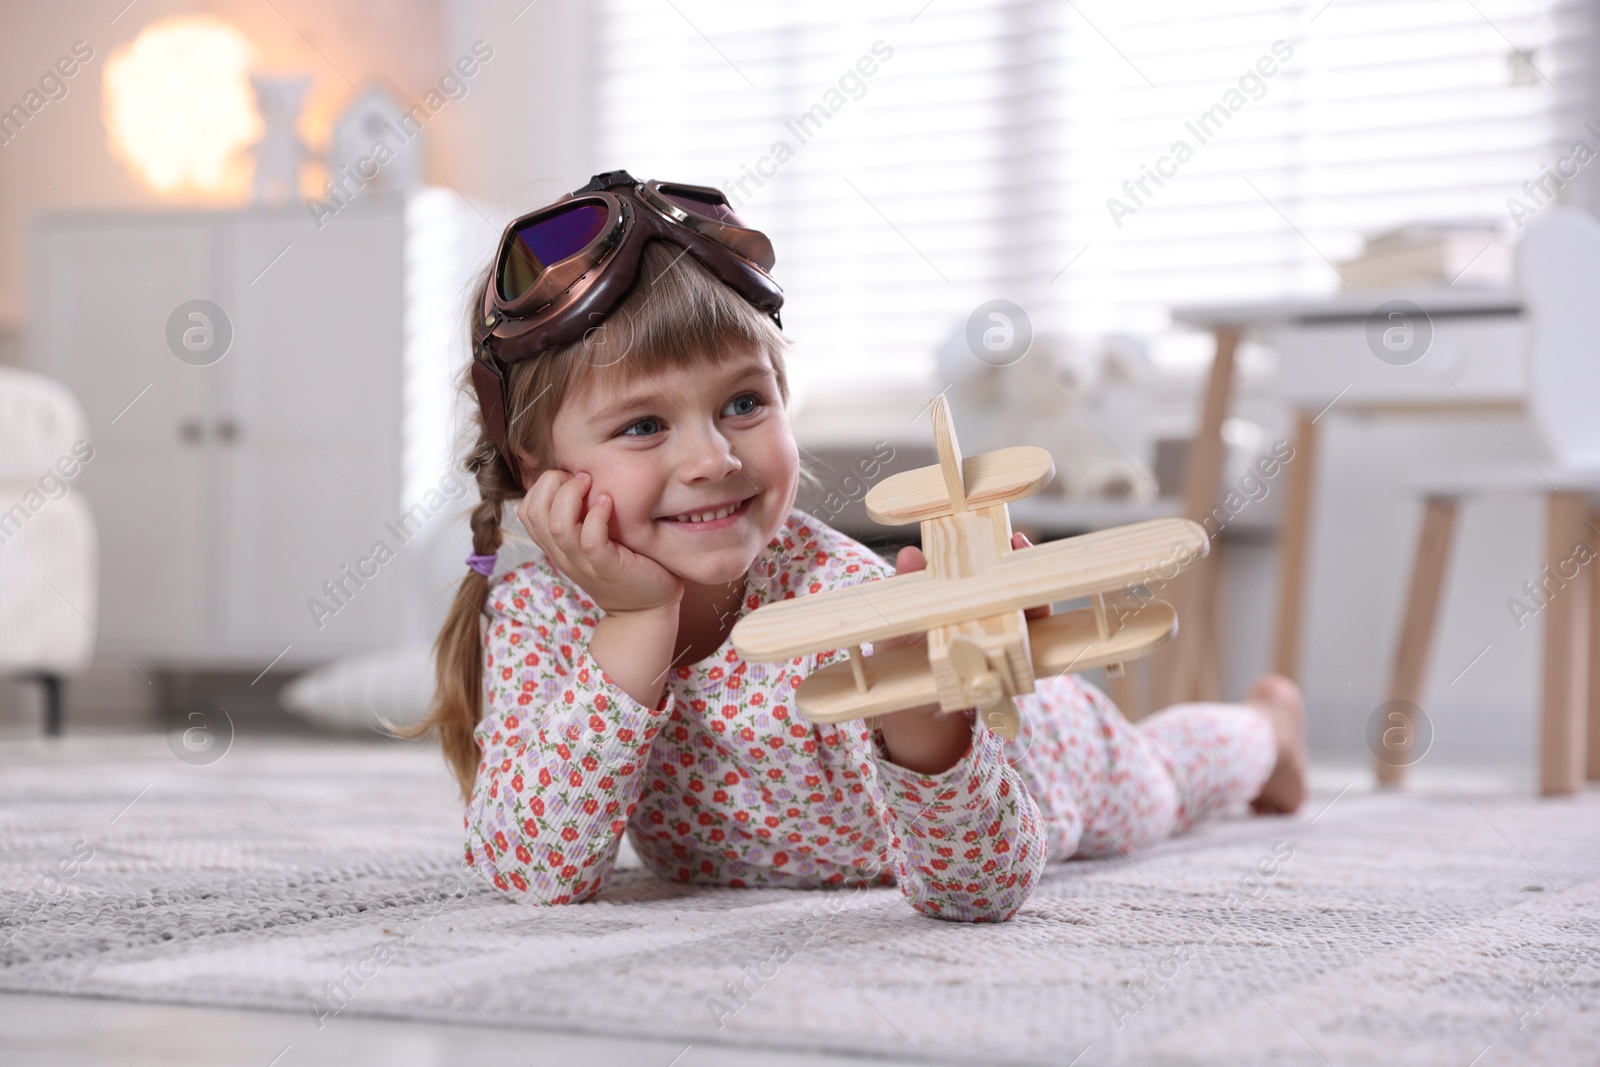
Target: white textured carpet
[1394, 928]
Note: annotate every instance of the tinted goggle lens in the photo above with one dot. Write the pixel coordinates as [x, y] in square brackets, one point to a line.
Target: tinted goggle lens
[544, 242]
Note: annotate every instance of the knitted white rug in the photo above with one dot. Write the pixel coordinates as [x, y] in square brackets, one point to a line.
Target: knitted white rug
[1453, 928]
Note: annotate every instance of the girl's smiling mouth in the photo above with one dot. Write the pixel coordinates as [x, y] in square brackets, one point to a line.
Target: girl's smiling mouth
[712, 518]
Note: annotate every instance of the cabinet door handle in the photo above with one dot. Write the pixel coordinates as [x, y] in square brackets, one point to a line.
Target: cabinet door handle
[189, 431]
[227, 431]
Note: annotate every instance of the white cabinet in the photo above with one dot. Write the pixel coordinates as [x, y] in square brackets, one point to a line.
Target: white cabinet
[227, 494]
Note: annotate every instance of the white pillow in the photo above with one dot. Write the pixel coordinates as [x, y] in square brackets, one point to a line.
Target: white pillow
[393, 685]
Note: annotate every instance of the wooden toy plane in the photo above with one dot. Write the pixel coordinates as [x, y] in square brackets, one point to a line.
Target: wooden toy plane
[981, 650]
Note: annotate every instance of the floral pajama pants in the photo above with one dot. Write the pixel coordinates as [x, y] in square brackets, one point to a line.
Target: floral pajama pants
[1105, 785]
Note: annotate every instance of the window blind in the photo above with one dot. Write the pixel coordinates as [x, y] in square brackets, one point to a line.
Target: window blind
[910, 164]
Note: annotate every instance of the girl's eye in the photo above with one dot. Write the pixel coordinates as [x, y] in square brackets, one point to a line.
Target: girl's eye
[650, 421]
[741, 405]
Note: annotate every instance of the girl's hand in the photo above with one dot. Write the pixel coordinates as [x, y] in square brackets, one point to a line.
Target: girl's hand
[574, 534]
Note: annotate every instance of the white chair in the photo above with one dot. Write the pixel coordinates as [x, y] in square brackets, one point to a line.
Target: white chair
[1558, 274]
[48, 549]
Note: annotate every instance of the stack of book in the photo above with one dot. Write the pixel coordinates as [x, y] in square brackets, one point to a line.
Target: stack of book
[1471, 253]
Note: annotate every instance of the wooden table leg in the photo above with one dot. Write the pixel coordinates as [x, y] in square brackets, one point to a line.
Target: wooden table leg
[1120, 689]
[1416, 634]
[1565, 687]
[1292, 542]
[1177, 665]
[1592, 536]
[1209, 682]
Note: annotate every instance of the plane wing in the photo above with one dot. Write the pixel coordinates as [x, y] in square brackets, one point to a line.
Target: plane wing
[900, 678]
[1149, 553]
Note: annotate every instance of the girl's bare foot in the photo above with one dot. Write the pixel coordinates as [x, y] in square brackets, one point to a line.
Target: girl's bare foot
[1279, 700]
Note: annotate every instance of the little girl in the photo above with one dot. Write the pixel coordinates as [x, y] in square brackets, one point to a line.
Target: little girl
[630, 370]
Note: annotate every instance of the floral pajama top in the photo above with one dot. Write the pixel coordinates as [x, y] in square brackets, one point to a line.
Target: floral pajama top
[723, 783]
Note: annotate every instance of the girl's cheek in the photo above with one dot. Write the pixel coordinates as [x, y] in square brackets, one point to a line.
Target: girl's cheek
[624, 528]
[615, 523]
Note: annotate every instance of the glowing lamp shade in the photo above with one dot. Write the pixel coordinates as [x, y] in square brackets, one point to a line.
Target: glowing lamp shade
[178, 103]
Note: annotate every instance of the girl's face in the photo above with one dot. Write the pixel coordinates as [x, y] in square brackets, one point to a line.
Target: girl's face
[687, 442]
